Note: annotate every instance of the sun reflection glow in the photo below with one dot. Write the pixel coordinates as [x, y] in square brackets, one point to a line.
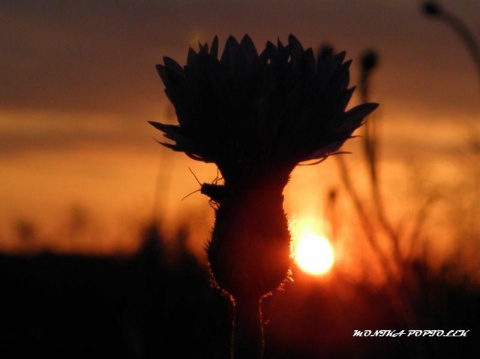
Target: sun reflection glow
[313, 253]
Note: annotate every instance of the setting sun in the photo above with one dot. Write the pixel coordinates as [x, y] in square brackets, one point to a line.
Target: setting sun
[313, 253]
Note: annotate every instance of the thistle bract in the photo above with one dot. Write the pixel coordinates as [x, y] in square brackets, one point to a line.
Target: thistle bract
[256, 116]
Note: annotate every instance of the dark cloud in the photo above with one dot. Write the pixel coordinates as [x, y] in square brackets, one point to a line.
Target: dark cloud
[80, 56]
[99, 56]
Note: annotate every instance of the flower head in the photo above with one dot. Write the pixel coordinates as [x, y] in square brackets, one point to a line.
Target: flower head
[256, 116]
[253, 113]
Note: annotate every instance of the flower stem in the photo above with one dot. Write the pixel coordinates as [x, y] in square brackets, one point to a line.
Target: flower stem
[247, 340]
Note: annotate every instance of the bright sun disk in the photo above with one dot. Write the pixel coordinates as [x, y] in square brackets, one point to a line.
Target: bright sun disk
[313, 253]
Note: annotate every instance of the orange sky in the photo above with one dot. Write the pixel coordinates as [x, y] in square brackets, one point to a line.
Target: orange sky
[78, 84]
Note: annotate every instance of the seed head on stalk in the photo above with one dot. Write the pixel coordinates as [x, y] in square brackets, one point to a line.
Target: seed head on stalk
[257, 116]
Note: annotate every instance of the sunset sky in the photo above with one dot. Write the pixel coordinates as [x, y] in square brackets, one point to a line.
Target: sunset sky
[78, 85]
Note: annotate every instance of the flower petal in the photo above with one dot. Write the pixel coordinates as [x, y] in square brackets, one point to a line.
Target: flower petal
[214, 47]
[229, 52]
[248, 49]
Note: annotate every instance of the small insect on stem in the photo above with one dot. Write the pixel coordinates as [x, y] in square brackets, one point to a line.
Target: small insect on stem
[216, 192]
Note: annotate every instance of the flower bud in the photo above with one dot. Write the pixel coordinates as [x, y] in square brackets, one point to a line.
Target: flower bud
[249, 252]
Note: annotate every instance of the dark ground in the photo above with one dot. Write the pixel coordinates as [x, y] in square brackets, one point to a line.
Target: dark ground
[145, 307]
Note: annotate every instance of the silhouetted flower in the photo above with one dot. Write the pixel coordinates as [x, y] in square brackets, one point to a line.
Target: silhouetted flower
[248, 112]
[256, 117]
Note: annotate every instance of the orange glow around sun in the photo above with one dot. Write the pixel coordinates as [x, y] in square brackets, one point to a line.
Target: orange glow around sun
[312, 252]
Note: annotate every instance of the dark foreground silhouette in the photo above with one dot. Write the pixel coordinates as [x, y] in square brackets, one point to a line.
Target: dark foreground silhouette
[150, 305]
